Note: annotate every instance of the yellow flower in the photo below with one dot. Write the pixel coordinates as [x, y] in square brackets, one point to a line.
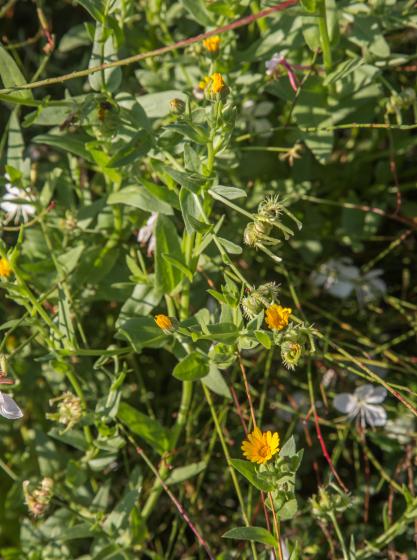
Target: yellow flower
[5, 268]
[212, 44]
[277, 317]
[260, 446]
[204, 83]
[163, 322]
[217, 83]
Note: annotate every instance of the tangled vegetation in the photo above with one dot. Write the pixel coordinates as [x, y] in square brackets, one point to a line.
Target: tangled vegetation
[207, 264]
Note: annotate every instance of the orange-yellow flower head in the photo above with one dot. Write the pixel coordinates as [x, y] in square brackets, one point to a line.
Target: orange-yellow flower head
[260, 446]
[5, 268]
[212, 44]
[277, 317]
[163, 322]
[218, 85]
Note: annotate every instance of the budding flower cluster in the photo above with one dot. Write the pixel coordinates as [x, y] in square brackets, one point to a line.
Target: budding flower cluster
[70, 410]
[258, 232]
[259, 299]
[327, 503]
[38, 500]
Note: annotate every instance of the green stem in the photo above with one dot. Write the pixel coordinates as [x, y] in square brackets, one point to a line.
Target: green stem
[324, 37]
[339, 535]
[228, 460]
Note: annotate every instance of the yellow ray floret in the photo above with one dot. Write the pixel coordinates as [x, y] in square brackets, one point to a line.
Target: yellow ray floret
[260, 446]
[5, 268]
[277, 317]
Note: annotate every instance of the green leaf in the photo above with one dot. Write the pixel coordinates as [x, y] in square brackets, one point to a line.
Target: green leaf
[288, 449]
[288, 510]
[73, 143]
[191, 208]
[191, 181]
[11, 75]
[74, 438]
[257, 534]
[309, 5]
[263, 338]
[248, 470]
[79, 531]
[139, 197]
[167, 276]
[184, 473]
[16, 145]
[230, 193]
[193, 366]
[142, 332]
[222, 332]
[216, 383]
[75, 37]
[194, 132]
[145, 427]
[103, 52]
[156, 105]
[119, 518]
[179, 265]
[161, 192]
[133, 150]
[230, 247]
[142, 301]
[94, 7]
[199, 12]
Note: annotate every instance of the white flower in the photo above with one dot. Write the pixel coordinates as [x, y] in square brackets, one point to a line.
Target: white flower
[8, 408]
[146, 234]
[13, 203]
[337, 277]
[273, 64]
[363, 404]
[340, 278]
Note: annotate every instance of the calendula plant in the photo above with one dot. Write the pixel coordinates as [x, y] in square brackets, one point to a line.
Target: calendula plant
[206, 263]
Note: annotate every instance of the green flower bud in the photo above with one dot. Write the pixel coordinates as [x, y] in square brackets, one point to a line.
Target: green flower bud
[290, 353]
[259, 299]
[177, 106]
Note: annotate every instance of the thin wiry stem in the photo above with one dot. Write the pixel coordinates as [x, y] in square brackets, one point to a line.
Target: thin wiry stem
[242, 22]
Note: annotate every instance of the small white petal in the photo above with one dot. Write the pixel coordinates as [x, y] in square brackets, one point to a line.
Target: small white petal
[378, 395]
[346, 403]
[375, 415]
[8, 408]
[340, 289]
[363, 392]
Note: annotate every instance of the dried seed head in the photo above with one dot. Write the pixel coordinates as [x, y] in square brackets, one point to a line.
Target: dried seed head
[70, 410]
[38, 500]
